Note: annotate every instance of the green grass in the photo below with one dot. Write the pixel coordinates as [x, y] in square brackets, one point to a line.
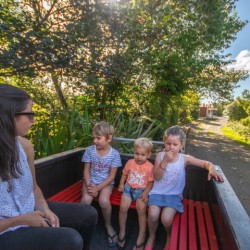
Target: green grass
[231, 134]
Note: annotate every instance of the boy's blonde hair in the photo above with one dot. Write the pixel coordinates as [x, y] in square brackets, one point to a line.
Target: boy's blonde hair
[104, 129]
[176, 131]
[144, 143]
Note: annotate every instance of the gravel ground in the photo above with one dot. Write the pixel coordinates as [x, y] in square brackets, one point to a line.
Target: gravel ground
[205, 141]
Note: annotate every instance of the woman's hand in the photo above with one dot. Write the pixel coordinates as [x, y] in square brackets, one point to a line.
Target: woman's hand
[33, 219]
[52, 218]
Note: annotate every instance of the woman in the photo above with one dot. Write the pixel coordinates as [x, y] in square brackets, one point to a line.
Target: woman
[27, 221]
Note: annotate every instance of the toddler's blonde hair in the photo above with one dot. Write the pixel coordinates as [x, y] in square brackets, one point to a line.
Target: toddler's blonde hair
[144, 143]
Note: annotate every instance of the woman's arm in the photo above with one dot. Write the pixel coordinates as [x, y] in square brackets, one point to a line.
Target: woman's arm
[33, 219]
[40, 202]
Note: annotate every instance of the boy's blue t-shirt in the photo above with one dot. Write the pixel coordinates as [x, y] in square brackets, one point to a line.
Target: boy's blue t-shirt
[100, 166]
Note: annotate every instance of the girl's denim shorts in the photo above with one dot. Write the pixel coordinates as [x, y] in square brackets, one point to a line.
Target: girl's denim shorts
[160, 200]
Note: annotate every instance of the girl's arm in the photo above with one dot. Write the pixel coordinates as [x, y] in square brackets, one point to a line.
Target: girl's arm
[40, 202]
[203, 164]
[160, 165]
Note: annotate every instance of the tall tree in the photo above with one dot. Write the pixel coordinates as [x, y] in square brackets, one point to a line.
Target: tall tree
[110, 50]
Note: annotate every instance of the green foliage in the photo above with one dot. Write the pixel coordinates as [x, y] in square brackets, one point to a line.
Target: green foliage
[57, 131]
[139, 66]
[133, 126]
[239, 110]
[171, 45]
[236, 111]
[237, 132]
[219, 108]
[239, 117]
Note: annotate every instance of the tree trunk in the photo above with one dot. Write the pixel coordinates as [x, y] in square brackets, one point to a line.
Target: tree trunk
[59, 91]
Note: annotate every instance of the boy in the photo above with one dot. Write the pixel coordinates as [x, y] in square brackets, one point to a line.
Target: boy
[100, 166]
[138, 174]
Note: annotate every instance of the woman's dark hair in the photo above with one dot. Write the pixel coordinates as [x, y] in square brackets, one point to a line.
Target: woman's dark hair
[12, 101]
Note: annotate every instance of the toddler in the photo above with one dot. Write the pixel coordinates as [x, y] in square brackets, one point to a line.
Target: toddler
[138, 175]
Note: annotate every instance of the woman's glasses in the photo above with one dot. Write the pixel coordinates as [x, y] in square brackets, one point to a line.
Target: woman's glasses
[31, 115]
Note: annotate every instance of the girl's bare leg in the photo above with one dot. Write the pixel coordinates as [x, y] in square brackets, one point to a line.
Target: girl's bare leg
[167, 217]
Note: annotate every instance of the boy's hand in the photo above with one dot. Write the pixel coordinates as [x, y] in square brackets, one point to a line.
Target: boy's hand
[144, 197]
[121, 188]
[92, 190]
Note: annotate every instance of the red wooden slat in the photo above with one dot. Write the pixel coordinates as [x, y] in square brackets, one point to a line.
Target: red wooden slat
[192, 240]
[183, 228]
[173, 245]
[67, 193]
[210, 228]
[183, 234]
[201, 226]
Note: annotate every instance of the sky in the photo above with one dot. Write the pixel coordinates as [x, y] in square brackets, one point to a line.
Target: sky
[240, 48]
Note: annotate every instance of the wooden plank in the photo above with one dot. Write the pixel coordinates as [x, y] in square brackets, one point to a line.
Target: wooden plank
[192, 239]
[201, 226]
[210, 228]
[67, 193]
[186, 227]
[183, 242]
[173, 245]
[184, 235]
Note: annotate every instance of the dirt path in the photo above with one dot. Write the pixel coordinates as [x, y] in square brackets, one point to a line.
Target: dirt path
[207, 142]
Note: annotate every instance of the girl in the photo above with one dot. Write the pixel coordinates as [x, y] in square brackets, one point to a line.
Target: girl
[165, 198]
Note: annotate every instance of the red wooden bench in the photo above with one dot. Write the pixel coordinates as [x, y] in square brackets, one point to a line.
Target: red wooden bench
[191, 230]
[74, 193]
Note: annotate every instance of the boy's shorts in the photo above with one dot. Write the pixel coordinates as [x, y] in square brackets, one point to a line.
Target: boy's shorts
[133, 193]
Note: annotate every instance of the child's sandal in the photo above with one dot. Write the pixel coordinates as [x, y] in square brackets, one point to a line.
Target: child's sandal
[121, 243]
[111, 241]
[140, 245]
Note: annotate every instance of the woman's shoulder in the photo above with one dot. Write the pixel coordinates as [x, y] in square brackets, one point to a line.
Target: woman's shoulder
[26, 144]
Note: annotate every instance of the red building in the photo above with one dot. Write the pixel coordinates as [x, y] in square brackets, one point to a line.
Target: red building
[206, 111]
